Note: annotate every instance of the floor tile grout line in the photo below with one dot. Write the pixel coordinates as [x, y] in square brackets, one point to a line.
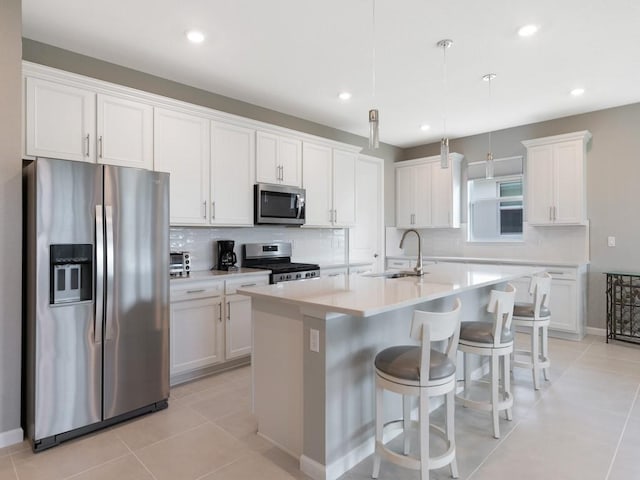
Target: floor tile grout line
[246, 454]
[624, 429]
[138, 459]
[164, 439]
[96, 466]
[508, 434]
[15, 469]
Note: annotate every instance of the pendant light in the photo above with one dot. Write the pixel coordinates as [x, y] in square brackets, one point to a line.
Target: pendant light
[444, 142]
[489, 165]
[374, 130]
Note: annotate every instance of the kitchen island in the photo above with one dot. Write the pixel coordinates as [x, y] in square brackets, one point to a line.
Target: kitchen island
[314, 342]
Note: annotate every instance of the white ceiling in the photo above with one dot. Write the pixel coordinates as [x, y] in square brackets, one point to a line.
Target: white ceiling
[294, 56]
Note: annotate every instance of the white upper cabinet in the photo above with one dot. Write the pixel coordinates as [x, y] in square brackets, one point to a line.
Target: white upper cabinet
[60, 121]
[344, 188]
[182, 148]
[125, 132]
[428, 196]
[76, 124]
[317, 184]
[329, 182]
[232, 174]
[556, 179]
[278, 159]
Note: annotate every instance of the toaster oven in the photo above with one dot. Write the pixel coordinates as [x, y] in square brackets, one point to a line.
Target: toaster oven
[180, 263]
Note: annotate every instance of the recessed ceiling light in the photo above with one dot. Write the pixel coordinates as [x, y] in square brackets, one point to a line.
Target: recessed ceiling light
[425, 127]
[576, 92]
[344, 95]
[195, 36]
[528, 30]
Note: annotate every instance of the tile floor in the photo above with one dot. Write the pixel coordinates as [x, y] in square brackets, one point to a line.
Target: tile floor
[584, 424]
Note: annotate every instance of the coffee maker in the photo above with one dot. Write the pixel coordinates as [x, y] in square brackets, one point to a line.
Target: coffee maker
[226, 257]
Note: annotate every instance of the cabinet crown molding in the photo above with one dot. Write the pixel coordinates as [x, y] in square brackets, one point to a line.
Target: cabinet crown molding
[584, 135]
[454, 157]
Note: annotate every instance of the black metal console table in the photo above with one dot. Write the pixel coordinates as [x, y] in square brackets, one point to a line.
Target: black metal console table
[623, 307]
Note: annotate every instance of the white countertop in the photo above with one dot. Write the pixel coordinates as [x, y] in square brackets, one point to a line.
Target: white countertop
[365, 296]
[218, 275]
[509, 261]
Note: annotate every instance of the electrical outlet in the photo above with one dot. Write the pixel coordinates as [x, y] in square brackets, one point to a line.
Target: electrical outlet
[611, 241]
[314, 340]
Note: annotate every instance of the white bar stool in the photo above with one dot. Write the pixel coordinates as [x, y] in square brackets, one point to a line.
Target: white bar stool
[535, 315]
[401, 369]
[492, 337]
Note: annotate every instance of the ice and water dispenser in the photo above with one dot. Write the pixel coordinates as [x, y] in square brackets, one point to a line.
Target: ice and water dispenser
[71, 271]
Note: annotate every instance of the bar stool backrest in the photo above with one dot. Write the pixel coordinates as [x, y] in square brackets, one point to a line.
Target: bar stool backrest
[540, 290]
[427, 327]
[501, 305]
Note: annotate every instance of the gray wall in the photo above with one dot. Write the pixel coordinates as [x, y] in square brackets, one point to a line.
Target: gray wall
[10, 213]
[613, 174]
[73, 62]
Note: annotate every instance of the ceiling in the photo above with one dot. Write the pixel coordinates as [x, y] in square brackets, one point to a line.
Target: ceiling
[295, 56]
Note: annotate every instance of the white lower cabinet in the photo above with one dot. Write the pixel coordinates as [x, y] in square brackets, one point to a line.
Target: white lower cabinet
[210, 324]
[196, 327]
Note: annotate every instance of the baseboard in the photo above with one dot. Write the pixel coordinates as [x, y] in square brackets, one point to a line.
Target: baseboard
[11, 437]
[599, 332]
[313, 469]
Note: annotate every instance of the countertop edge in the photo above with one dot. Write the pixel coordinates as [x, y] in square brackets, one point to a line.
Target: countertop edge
[505, 261]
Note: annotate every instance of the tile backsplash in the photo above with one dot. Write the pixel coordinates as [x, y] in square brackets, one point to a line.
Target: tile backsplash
[313, 245]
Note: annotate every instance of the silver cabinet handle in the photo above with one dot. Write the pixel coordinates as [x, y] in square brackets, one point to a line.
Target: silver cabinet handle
[99, 315]
[335, 216]
[555, 214]
[86, 154]
[205, 209]
[248, 285]
[228, 311]
[220, 312]
[196, 291]
[213, 209]
[100, 145]
[281, 173]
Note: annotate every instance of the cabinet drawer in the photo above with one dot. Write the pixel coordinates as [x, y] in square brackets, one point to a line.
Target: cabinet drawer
[232, 285]
[194, 290]
[563, 273]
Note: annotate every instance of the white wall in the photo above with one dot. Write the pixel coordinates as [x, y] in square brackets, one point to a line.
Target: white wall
[10, 220]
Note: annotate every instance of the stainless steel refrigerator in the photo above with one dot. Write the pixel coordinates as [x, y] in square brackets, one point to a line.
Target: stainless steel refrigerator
[96, 297]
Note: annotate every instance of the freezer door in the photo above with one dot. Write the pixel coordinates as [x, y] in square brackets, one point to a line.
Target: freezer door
[64, 351]
[136, 335]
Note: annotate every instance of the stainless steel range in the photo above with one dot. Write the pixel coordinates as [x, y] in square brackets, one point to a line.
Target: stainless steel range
[277, 258]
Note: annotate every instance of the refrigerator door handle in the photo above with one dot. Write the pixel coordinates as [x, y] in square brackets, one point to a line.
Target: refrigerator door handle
[109, 273]
[99, 303]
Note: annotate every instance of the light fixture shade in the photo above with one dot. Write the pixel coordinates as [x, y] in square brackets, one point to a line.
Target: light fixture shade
[444, 153]
[374, 132]
[489, 166]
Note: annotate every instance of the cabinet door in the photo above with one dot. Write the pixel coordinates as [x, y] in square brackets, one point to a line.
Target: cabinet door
[344, 188]
[238, 329]
[422, 195]
[232, 173]
[181, 145]
[563, 306]
[267, 166]
[441, 195]
[61, 121]
[290, 160]
[540, 185]
[195, 334]
[125, 132]
[316, 161]
[405, 199]
[568, 183]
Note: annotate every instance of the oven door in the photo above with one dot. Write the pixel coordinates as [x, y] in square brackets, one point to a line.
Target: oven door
[279, 205]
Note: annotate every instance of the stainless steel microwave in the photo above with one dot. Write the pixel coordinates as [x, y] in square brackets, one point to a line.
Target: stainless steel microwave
[278, 205]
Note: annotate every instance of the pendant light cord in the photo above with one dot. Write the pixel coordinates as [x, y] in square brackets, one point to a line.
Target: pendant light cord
[490, 113]
[373, 42]
[444, 82]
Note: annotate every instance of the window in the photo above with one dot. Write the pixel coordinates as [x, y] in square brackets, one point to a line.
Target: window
[495, 209]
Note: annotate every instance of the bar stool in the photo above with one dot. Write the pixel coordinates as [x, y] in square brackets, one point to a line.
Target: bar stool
[401, 369]
[535, 315]
[492, 337]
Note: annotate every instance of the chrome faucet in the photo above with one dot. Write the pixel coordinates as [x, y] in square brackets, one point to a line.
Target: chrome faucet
[418, 268]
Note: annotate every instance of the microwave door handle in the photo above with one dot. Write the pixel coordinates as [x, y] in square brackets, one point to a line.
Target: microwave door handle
[299, 205]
